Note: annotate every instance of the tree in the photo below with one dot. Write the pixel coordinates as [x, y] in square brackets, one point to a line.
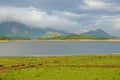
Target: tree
[3, 38]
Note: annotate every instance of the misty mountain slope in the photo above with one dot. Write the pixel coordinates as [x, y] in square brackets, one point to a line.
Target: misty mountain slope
[98, 32]
[14, 29]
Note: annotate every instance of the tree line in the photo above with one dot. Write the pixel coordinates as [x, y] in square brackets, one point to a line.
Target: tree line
[80, 36]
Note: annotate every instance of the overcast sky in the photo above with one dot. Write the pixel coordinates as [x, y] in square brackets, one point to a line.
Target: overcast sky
[76, 16]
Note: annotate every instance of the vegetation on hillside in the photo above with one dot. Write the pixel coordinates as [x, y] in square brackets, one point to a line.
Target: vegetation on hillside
[50, 35]
[56, 35]
[78, 36]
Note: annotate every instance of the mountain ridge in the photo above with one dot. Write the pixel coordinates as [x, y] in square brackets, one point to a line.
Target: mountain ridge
[14, 29]
[97, 32]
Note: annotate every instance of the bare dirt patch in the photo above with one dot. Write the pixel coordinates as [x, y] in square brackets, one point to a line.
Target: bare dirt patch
[3, 69]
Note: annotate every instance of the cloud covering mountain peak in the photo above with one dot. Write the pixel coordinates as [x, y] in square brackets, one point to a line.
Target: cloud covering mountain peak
[36, 18]
[75, 16]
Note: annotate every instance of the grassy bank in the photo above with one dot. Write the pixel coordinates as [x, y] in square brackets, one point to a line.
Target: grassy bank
[79, 67]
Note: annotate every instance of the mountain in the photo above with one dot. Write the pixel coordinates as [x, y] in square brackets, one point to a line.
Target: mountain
[98, 32]
[19, 30]
[14, 29]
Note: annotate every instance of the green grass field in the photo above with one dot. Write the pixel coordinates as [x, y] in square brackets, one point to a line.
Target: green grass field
[77, 67]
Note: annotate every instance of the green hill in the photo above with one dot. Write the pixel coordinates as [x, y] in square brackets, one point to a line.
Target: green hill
[50, 35]
[18, 30]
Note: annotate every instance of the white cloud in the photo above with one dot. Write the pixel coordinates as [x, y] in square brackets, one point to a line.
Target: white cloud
[117, 25]
[61, 20]
[114, 20]
[37, 18]
[68, 14]
[100, 5]
[95, 3]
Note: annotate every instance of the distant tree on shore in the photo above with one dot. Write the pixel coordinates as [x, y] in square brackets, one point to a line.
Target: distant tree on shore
[4, 38]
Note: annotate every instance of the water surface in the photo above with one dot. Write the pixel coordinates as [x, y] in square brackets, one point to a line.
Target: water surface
[57, 48]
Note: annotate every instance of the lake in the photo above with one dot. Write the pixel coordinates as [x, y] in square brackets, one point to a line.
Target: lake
[51, 48]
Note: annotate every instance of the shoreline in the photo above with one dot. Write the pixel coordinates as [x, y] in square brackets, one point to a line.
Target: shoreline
[70, 40]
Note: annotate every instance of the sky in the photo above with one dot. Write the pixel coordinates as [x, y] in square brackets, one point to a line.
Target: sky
[75, 16]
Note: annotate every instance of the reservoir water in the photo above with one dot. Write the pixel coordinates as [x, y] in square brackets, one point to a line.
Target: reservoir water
[49, 48]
